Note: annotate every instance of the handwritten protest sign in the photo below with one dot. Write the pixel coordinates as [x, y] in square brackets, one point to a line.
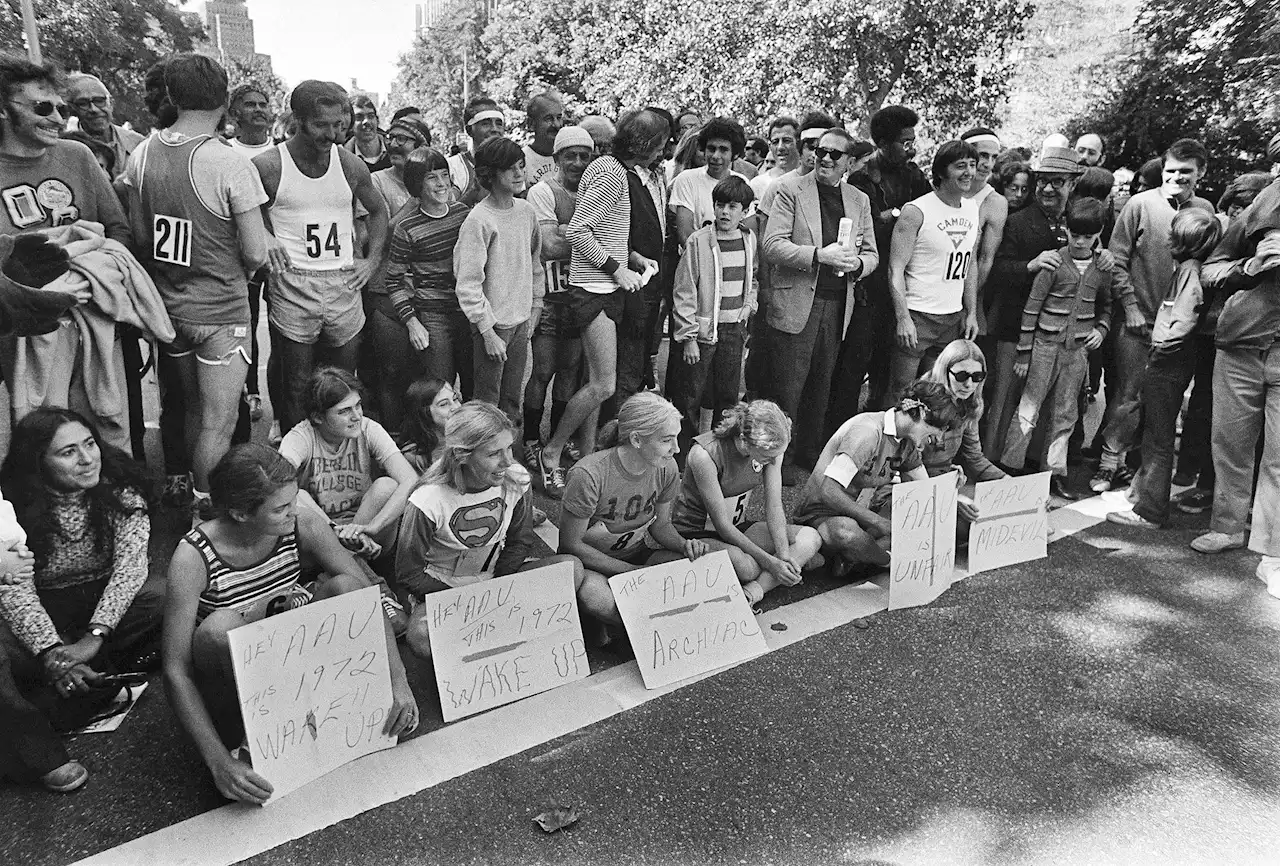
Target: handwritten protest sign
[686, 618]
[923, 541]
[1012, 524]
[501, 640]
[314, 686]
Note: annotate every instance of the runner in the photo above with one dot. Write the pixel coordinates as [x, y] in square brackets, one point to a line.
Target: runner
[211, 593]
[616, 514]
[545, 118]
[864, 454]
[483, 119]
[725, 467]
[250, 107]
[993, 210]
[313, 185]
[471, 519]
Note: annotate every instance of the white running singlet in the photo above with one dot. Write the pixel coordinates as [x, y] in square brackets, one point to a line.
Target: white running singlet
[942, 256]
[312, 217]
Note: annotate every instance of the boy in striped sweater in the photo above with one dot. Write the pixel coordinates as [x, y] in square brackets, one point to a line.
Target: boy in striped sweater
[1066, 316]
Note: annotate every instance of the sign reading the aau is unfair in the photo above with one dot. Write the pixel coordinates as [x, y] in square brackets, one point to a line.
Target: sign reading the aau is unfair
[504, 639]
[686, 618]
[923, 541]
[314, 686]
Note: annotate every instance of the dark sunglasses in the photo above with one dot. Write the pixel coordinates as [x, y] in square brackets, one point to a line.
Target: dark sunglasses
[835, 154]
[964, 376]
[45, 107]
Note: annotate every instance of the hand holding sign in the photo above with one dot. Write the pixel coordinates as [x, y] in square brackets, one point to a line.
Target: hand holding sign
[923, 550]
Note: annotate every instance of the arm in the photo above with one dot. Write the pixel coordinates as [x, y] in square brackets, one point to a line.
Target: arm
[1123, 240]
[395, 465]
[704, 474]
[108, 210]
[399, 282]
[470, 256]
[779, 249]
[186, 580]
[665, 534]
[132, 533]
[598, 195]
[1224, 269]
[572, 540]
[684, 299]
[535, 275]
[1031, 312]
[367, 194]
[832, 494]
[970, 457]
[521, 540]
[995, 211]
[900, 249]
[870, 253]
[684, 224]
[24, 613]
[251, 233]
[268, 166]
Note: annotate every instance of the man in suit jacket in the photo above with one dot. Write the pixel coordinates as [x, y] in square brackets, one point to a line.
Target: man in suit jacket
[813, 279]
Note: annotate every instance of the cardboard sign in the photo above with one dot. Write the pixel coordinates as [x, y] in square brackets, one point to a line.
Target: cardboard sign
[314, 686]
[923, 551]
[686, 618]
[1012, 525]
[501, 640]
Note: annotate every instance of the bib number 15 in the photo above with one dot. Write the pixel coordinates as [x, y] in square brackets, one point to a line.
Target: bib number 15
[316, 247]
[957, 265]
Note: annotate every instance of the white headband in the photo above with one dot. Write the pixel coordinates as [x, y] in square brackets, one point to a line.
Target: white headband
[487, 114]
[984, 137]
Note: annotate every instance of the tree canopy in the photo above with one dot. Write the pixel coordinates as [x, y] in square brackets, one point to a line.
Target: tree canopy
[1206, 69]
[116, 40]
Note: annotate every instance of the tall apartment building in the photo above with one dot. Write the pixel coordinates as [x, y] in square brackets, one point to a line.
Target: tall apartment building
[229, 30]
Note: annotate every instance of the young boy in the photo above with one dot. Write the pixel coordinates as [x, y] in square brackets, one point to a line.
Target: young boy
[1066, 317]
[498, 267]
[713, 299]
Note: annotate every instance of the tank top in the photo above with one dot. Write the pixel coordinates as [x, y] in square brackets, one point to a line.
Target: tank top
[942, 255]
[981, 195]
[247, 591]
[196, 252]
[556, 272]
[312, 217]
[738, 475]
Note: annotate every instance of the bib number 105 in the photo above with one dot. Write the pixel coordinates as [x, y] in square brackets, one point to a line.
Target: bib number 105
[957, 265]
[316, 248]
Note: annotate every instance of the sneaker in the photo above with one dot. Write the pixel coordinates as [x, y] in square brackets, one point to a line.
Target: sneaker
[1194, 501]
[274, 436]
[201, 510]
[1131, 518]
[1122, 477]
[1058, 487]
[1217, 542]
[571, 453]
[254, 402]
[1183, 479]
[177, 491]
[1269, 573]
[65, 779]
[395, 614]
[532, 447]
[1102, 480]
[553, 479]
[539, 516]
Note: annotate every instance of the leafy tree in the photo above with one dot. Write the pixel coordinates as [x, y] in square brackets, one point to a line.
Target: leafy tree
[241, 71]
[116, 40]
[1206, 69]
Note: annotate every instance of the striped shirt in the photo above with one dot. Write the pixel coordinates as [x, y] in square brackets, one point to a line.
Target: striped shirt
[422, 250]
[733, 276]
[600, 231]
[240, 589]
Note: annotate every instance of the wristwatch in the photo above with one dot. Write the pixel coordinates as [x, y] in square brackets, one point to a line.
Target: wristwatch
[99, 632]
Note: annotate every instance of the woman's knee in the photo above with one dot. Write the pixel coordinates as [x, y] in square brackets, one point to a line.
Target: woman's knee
[804, 538]
[210, 645]
[339, 584]
[744, 565]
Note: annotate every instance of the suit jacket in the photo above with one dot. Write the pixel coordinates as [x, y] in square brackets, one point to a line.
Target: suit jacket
[791, 237]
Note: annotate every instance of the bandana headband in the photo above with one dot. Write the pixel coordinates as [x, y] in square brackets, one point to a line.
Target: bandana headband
[487, 114]
[982, 138]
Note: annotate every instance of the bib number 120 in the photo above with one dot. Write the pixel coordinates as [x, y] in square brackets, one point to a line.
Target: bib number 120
[317, 248]
[957, 265]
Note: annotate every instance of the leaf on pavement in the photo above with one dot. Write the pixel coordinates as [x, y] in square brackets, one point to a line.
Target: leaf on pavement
[779, 626]
[557, 818]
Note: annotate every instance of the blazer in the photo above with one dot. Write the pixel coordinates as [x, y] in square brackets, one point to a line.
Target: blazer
[792, 236]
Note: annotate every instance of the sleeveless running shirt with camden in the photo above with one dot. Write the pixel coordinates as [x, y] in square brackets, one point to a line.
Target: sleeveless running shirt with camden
[942, 255]
[249, 591]
[312, 217]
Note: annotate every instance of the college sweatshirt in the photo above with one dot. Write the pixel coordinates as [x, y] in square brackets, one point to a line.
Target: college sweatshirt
[498, 265]
[1140, 246]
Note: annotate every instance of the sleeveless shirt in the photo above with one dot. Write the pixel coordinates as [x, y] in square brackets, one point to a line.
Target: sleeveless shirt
[245, 590]
[738, 475]
[942, 255]
[312, 217]
[196, 251]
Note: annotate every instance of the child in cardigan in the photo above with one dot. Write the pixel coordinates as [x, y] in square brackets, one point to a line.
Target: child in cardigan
[1171, 367]
[498, 266]
[713, 299]
[1066, 317]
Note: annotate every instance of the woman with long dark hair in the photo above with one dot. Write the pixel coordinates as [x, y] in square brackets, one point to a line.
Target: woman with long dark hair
[84, 505]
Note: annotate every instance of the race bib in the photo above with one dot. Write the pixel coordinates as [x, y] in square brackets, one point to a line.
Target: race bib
[557, 276]
[737, 506]
[171, 240]
[481, 560]
[599, 537]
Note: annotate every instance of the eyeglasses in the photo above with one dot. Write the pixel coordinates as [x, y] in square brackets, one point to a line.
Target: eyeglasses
[46, 107]
[835, 154]
[397, 138]
[1051, 182]
[84, 103]
[963, 376]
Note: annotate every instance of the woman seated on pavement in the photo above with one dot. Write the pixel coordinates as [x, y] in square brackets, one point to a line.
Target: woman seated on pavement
[471, 519]
[617, 506]
[428, 405]
[85, 609]
[961, 368]
[349, 468]
[861, 457]
[244, 565]
[724, 468]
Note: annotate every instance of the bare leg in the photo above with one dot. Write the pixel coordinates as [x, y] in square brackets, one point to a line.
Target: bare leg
[600, 347]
